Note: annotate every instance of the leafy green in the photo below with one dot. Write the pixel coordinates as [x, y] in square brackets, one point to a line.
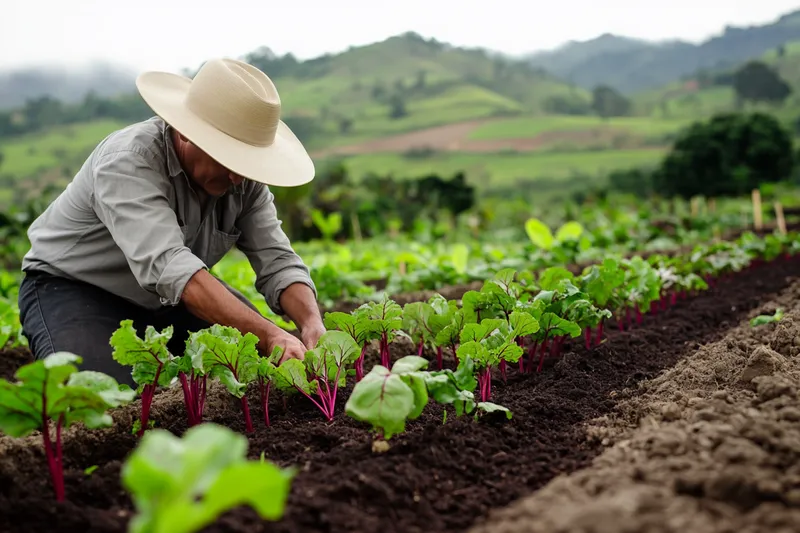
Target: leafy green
[180, 485]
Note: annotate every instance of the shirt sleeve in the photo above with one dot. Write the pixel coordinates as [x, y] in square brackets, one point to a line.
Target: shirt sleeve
[131, 198]
[268, 249]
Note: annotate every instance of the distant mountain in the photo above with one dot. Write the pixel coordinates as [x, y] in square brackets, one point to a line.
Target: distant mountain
[632, 65]
[68, 85]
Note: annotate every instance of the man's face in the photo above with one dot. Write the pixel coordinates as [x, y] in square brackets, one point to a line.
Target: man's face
[207, 173]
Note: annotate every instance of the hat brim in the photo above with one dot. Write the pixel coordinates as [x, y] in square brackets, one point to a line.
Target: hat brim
[284, 163]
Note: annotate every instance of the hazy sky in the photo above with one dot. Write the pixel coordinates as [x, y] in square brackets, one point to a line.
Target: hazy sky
[184, 34]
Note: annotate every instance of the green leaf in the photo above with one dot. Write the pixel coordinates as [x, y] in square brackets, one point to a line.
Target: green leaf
[523, 324]
[489, 407]
[181, 485]
[570, 231]
[459, 256]
[75, 396]
[229, 356]
[292, 375]
[539, 234]
[550, 278]
[384, 400]
[760, 320]
[409, 363]
[144, 355]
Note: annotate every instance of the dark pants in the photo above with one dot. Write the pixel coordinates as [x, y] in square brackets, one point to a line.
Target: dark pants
[58, 314]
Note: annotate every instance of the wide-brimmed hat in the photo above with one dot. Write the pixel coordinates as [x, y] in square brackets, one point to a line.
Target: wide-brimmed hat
[231, 111]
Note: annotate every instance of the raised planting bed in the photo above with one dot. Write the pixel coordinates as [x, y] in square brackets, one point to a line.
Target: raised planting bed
[438, 475]
[710, 445]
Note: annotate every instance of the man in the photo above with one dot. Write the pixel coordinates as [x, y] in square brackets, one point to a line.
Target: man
[155, 206]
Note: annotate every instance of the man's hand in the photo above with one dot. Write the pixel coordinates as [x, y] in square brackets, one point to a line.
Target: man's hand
[292, 347]
[310, 335]
[299, 303]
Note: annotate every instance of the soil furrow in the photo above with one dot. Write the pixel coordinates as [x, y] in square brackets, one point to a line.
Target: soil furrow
[436, 477]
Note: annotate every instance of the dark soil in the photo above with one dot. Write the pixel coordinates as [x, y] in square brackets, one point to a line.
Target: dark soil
[436, 477]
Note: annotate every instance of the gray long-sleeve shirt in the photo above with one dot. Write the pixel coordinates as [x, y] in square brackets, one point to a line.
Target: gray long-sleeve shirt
[132, 223]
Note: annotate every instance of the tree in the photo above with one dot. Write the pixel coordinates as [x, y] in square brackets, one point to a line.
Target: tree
[607, 102]
[420, 83]
[397, 107]
[730, 154]
[758, 82]
[345, 125]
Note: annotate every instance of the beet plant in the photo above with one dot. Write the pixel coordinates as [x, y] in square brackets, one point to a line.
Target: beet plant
[360, 327]
[493, 341]
[497, 298]
[424, 320]
[150, 360]
[322, 372]
[386, 318]
[449, 328]
[181, 485]
[52, 390]
[266, 374]
[549, 308]
[642, 286]
[193, 377]
[387, 399]
[233, 359]
[601, 284]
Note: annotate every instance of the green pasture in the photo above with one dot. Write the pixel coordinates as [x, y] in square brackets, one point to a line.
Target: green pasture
[36, 153]
[500, 169]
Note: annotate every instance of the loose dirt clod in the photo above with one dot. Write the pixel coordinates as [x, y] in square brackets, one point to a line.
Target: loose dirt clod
[763, 362]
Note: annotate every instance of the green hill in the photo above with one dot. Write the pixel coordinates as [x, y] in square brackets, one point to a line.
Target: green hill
[406, 83]
[711, 91]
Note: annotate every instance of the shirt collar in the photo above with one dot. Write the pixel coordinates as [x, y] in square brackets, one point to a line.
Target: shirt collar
[174, 164]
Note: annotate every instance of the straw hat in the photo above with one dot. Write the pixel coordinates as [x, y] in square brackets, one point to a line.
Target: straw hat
[231, 111]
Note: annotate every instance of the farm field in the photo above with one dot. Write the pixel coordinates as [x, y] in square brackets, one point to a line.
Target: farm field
[539, 357]
[505, 168]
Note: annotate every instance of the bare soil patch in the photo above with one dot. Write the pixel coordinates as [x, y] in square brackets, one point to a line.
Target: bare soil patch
[711, 445]
[455, 138]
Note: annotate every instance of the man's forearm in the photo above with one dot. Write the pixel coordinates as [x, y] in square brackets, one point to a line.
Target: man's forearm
[206, 298]
[298, 302]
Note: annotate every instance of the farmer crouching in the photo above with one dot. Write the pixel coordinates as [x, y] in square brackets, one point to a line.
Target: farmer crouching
[155, 206]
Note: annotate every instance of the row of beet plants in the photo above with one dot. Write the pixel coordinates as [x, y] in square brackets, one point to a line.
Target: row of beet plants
[519, 318]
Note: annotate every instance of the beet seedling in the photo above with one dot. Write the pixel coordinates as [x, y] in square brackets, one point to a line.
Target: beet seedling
[52, 389]
[233, 359]
[323, 371]
[149, 358]
[181, 485]
[359, 326]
